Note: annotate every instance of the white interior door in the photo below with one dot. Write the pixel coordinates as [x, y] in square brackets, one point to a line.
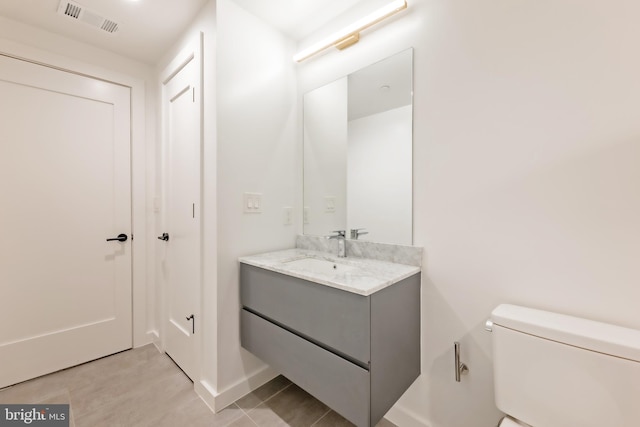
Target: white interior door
[65, 292]
[182, 214]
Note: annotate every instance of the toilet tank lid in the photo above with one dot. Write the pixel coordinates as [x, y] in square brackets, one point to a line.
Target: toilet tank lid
[588, 334]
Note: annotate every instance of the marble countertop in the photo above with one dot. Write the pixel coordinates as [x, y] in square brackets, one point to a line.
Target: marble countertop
[361, 275]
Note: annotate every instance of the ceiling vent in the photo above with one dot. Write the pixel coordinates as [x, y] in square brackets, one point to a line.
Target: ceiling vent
[80, 13]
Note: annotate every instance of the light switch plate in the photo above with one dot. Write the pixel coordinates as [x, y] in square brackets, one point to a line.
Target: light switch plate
[252, 202]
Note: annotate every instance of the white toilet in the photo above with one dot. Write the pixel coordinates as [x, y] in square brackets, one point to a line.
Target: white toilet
[553, 370]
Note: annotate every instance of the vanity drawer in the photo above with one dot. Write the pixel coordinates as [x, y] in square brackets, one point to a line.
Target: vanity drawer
[335, 381]
[336, 319]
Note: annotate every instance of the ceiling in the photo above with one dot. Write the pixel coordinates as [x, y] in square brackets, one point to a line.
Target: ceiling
[297, 18]
[147, 27]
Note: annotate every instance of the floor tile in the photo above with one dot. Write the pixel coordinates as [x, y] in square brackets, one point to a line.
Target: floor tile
[144, 388]
[28, 393]
[134, 406]
[121, 390]
[263, 393]
[35, 390]
[194, 414]
[333, 419]
[244, 421]
[61, 398]
[291, 407]
[263, 416]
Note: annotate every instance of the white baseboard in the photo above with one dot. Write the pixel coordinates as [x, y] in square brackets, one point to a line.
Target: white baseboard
[154, 338]
[218, 401]
[206, 392]
[148, 337]
[403, 417]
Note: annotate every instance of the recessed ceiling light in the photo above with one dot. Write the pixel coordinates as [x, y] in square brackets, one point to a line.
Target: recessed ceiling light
[385, 88]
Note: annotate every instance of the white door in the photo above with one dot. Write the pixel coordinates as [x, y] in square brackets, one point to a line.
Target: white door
[65, 292]
[181, 104]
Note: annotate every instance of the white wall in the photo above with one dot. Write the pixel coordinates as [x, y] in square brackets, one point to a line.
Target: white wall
[325, 158]
[526, 172]
[32, 43]
[257, 120]
[379, 177]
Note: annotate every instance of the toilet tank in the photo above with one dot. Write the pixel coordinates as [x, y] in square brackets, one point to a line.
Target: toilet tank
[553, 370]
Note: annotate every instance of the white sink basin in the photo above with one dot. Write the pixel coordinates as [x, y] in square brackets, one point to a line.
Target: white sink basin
[321, 266]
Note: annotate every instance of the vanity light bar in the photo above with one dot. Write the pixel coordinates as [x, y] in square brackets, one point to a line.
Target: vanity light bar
[351, 33]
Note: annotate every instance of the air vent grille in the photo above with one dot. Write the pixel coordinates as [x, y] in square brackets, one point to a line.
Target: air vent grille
[109, 26]
[77, 12]
[72, 10]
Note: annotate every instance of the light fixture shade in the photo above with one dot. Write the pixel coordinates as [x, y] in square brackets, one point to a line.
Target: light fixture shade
[351, 32]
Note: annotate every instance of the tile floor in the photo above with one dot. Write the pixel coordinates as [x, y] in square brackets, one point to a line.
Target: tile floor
[143, 387]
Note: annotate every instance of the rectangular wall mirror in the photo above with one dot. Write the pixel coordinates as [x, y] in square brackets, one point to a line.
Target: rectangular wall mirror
[358, 146]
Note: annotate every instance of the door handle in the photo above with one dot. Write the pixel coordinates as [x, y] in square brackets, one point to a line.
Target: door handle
[193, 323]
[121, 238]
[165, 237]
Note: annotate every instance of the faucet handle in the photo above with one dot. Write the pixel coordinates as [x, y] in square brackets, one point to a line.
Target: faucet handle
[341, 233]
[356, 232]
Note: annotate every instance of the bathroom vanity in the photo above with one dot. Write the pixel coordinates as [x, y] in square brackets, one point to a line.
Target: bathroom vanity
[346, 330]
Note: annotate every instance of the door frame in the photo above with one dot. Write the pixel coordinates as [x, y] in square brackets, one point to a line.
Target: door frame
[193, 51]
[143, 331]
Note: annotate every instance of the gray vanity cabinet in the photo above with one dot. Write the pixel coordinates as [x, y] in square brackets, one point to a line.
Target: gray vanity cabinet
[357, 354]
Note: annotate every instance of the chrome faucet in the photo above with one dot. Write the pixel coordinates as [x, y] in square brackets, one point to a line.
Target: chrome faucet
[357, 232]
[342, 249]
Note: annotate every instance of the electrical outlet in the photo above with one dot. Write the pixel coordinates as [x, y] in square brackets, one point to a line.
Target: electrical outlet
[288, 215]
[330, 204]
[252, 202]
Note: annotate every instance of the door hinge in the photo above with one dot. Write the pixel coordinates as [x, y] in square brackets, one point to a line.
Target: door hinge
[194, 94]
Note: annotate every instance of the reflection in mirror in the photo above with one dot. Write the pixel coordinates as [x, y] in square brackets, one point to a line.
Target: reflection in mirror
[358, 154]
